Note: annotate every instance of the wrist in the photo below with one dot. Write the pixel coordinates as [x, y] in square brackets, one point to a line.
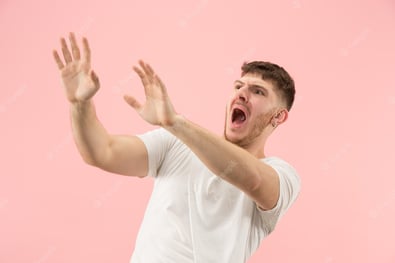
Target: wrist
[80, 106]
[177, 122]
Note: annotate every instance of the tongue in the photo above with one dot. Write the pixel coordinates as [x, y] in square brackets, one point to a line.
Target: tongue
[239, 117]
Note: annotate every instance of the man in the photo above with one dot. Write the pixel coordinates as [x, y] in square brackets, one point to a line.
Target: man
[214, 198]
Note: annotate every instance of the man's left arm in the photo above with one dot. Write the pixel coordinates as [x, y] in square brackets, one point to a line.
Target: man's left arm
[228, 161]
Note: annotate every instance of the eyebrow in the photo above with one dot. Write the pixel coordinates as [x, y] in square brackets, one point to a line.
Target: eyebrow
[252, 85]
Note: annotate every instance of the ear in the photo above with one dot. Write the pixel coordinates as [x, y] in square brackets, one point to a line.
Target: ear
[280, 117]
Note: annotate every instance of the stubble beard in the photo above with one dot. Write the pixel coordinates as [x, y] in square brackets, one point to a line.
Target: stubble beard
[259, 125]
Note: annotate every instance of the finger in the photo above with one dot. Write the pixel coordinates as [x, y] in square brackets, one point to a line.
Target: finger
[161, 84]
[145, 68]
[132, 102]
[74, 47]
[142, 76]
[86, 50]
[57, 59]
[150, 70]
[95, 79]
[65, 51]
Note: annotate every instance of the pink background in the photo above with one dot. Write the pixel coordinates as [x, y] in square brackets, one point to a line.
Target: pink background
[55, 208]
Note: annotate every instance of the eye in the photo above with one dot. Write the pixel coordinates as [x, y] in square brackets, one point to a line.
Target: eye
[259, 92]
[237, 86]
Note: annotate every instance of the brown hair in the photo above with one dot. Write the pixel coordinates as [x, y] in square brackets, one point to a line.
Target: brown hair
[280, 77]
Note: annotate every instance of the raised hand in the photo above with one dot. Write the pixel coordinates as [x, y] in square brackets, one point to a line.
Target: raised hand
[79, 81]
[157, 109]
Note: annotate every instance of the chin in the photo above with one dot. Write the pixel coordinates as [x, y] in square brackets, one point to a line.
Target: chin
[234, 137]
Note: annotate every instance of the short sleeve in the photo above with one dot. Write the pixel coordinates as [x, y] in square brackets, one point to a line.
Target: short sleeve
[289, 191]
[158, 143]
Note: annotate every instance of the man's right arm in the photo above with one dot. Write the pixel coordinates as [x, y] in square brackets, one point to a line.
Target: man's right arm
[120, 154]
[124, 155]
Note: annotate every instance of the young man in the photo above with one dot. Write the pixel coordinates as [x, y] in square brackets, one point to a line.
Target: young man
[215, 198]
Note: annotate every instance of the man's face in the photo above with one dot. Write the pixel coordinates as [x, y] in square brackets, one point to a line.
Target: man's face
[250, 109]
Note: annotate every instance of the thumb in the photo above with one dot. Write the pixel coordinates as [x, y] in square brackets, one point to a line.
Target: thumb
[132, 102]
[95, 79]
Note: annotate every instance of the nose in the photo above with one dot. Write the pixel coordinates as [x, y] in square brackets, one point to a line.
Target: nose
[242, 94]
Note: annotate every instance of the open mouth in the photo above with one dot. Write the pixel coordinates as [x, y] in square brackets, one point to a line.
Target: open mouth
[238, 116]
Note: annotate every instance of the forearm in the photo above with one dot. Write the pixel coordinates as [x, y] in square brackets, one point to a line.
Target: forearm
[90, 136]
[230, 162]
[223, 158]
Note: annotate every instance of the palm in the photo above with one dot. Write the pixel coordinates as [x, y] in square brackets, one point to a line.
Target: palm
[157, 109]
[79, 81]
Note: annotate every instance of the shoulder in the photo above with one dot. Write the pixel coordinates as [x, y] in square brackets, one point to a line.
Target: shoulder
[159, 134]
[282, 167]
[164, 151]
[290, 183]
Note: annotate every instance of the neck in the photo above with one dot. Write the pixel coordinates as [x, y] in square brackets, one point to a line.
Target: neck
[256, 148]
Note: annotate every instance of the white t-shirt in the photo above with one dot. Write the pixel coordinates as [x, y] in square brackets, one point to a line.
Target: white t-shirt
[194, 216]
